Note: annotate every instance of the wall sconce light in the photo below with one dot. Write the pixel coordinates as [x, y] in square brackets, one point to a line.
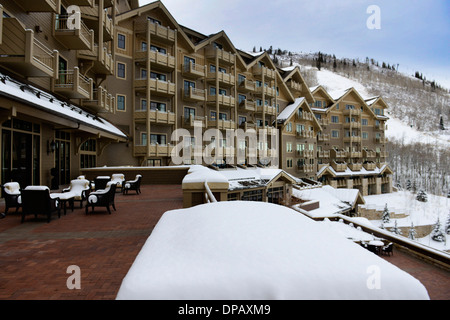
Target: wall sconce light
[51, 146]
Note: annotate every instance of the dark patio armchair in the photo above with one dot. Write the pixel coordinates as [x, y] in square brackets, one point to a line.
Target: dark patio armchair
[37, 200]
[388, 249]
[102, 198]
[11, 192]
[133, 185]
[100, 182]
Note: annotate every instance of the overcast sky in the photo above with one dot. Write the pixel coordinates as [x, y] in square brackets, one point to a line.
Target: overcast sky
[414, 33]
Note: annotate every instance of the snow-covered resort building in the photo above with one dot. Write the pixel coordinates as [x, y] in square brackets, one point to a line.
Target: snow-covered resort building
[93, 83]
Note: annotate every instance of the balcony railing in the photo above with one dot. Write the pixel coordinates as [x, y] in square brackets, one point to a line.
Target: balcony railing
[225, 79]
[162, 60]
[305, 134]
[355, 166]
[369, 154]
[224, 101]
[370, 166]
[194, 95]
[70, 35]
[268, 91]
[305, 116]
[339, 166]
[192, 121]
[323, 137]
[74, 85]
[305, 168]
[323, 154]
[353, 139]
[269, 110]
[90, 17]
[352, 112]
[159, 87]
[261, 71]
[102, 101]
[247, 105]
[295, 86]
[247, 86]
[23, 53]
[161, 117]
[306, 153]
[103, 62]
[339, 154]
[193, 70]
[222, 124]
[224, 57]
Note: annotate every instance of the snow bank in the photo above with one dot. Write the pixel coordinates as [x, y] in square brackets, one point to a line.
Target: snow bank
[257, 251]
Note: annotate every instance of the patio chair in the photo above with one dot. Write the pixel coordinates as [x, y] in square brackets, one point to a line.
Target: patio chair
[102, 198]
[119, 179]
[388, 249]
[100, 182]
[11, 193]
[133, 185]
[37, 200]
[80, 188]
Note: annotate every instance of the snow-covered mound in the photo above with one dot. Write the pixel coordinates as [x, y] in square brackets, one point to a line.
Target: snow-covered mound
[258, 251]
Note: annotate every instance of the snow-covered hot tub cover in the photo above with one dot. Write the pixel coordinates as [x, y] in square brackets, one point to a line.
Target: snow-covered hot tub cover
[257, 251]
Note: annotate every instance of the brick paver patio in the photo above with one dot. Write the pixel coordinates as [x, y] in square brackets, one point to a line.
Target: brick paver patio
[35, 255]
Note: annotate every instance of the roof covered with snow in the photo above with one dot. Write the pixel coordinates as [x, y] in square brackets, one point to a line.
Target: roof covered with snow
[40, 99]
[257, 251]
[290, 110]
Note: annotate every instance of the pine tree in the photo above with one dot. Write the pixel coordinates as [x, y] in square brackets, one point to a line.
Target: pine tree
[447, 225]
[396, 229]
[441, 123]
[386, 215]
[412, 232]
[334, 62]
[437, 234]
[408, 185]
[422, 196]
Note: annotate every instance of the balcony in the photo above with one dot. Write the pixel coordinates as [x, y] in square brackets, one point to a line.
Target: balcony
[157, 150]
[194, 95]
[247, 86]
[380, 126]
[355, 166]
[353, 139]
[265, 72]
[339, 166]
[305, 134]
[90, 17]
[294, 86]
[101, 101]
[23, 53]
[193, 70]
[72, 36]
[224, 101]
[224, 57]
[161, 117]
[247, 105]
[222, 124]
[383, 154]
[323, 137]
[267, 91]
[380, 140]
[324, 121]
[305, 168]
[355, 154]
[304, 116]
[225, 79]
[352, 125]
[191, 122]
[40, 5]
[323, 154]
[352, 112]
[158, 87]
[163, 61]
[306, 153]
[370, 166]
[269, 110]
[339, 154]
[369, 154]
[73, 85]
[98, 62]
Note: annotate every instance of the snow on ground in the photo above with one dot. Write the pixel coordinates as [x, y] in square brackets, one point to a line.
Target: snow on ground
[334, 82]
[419, 213]
[258, 251]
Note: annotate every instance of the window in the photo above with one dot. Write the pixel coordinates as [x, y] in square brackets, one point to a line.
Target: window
[256, 195]
[213, 115]
[121, 70]
[300, 148]
[158, 106]
[154, 21]
[318, 116]
[121, 41]
[212, 91]
[158, 76]
[223, 116]
[188, 61]
[187, 86]
[365, 122]
[311, 147]
[143, 104]
[158, 49]
[121, 103]
[158, 139]
[300, 127]
[365, 135]
[335, 119]
[189, 112]
[289, 127]
[143, 46]
[242, 120]
[289, 163]
[217, 45]
[288, 146]
[241, 78]
[242, 98]
[335, 134]
[88, 154]
[349, 107]
[222, 92]
[318, 104]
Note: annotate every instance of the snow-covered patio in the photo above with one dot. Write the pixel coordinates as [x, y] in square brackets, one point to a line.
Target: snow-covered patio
[258, 251]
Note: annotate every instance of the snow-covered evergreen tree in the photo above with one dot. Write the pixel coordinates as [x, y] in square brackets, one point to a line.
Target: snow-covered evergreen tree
[447, 225]
[408, 185]
[396, 229]
[386, 215]
[437, 234]
[422, 196]
[412, 232]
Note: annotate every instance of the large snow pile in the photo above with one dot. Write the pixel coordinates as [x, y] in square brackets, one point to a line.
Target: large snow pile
[257, 251]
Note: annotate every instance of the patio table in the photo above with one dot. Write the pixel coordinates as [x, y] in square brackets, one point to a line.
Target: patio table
[64, 198]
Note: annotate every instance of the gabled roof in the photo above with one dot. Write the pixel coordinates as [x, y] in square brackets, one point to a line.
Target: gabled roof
[321, 89]
[329, 171]
[137, 11]
[289, 73]
[291, 110]
[340, 95]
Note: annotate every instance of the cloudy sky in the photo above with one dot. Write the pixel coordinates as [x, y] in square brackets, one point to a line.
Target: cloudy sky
[414, 33]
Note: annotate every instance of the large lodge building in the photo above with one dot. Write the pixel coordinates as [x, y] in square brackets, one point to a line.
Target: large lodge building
[111, 89]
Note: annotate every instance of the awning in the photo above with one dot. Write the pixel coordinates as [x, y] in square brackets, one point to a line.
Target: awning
[50, 105]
